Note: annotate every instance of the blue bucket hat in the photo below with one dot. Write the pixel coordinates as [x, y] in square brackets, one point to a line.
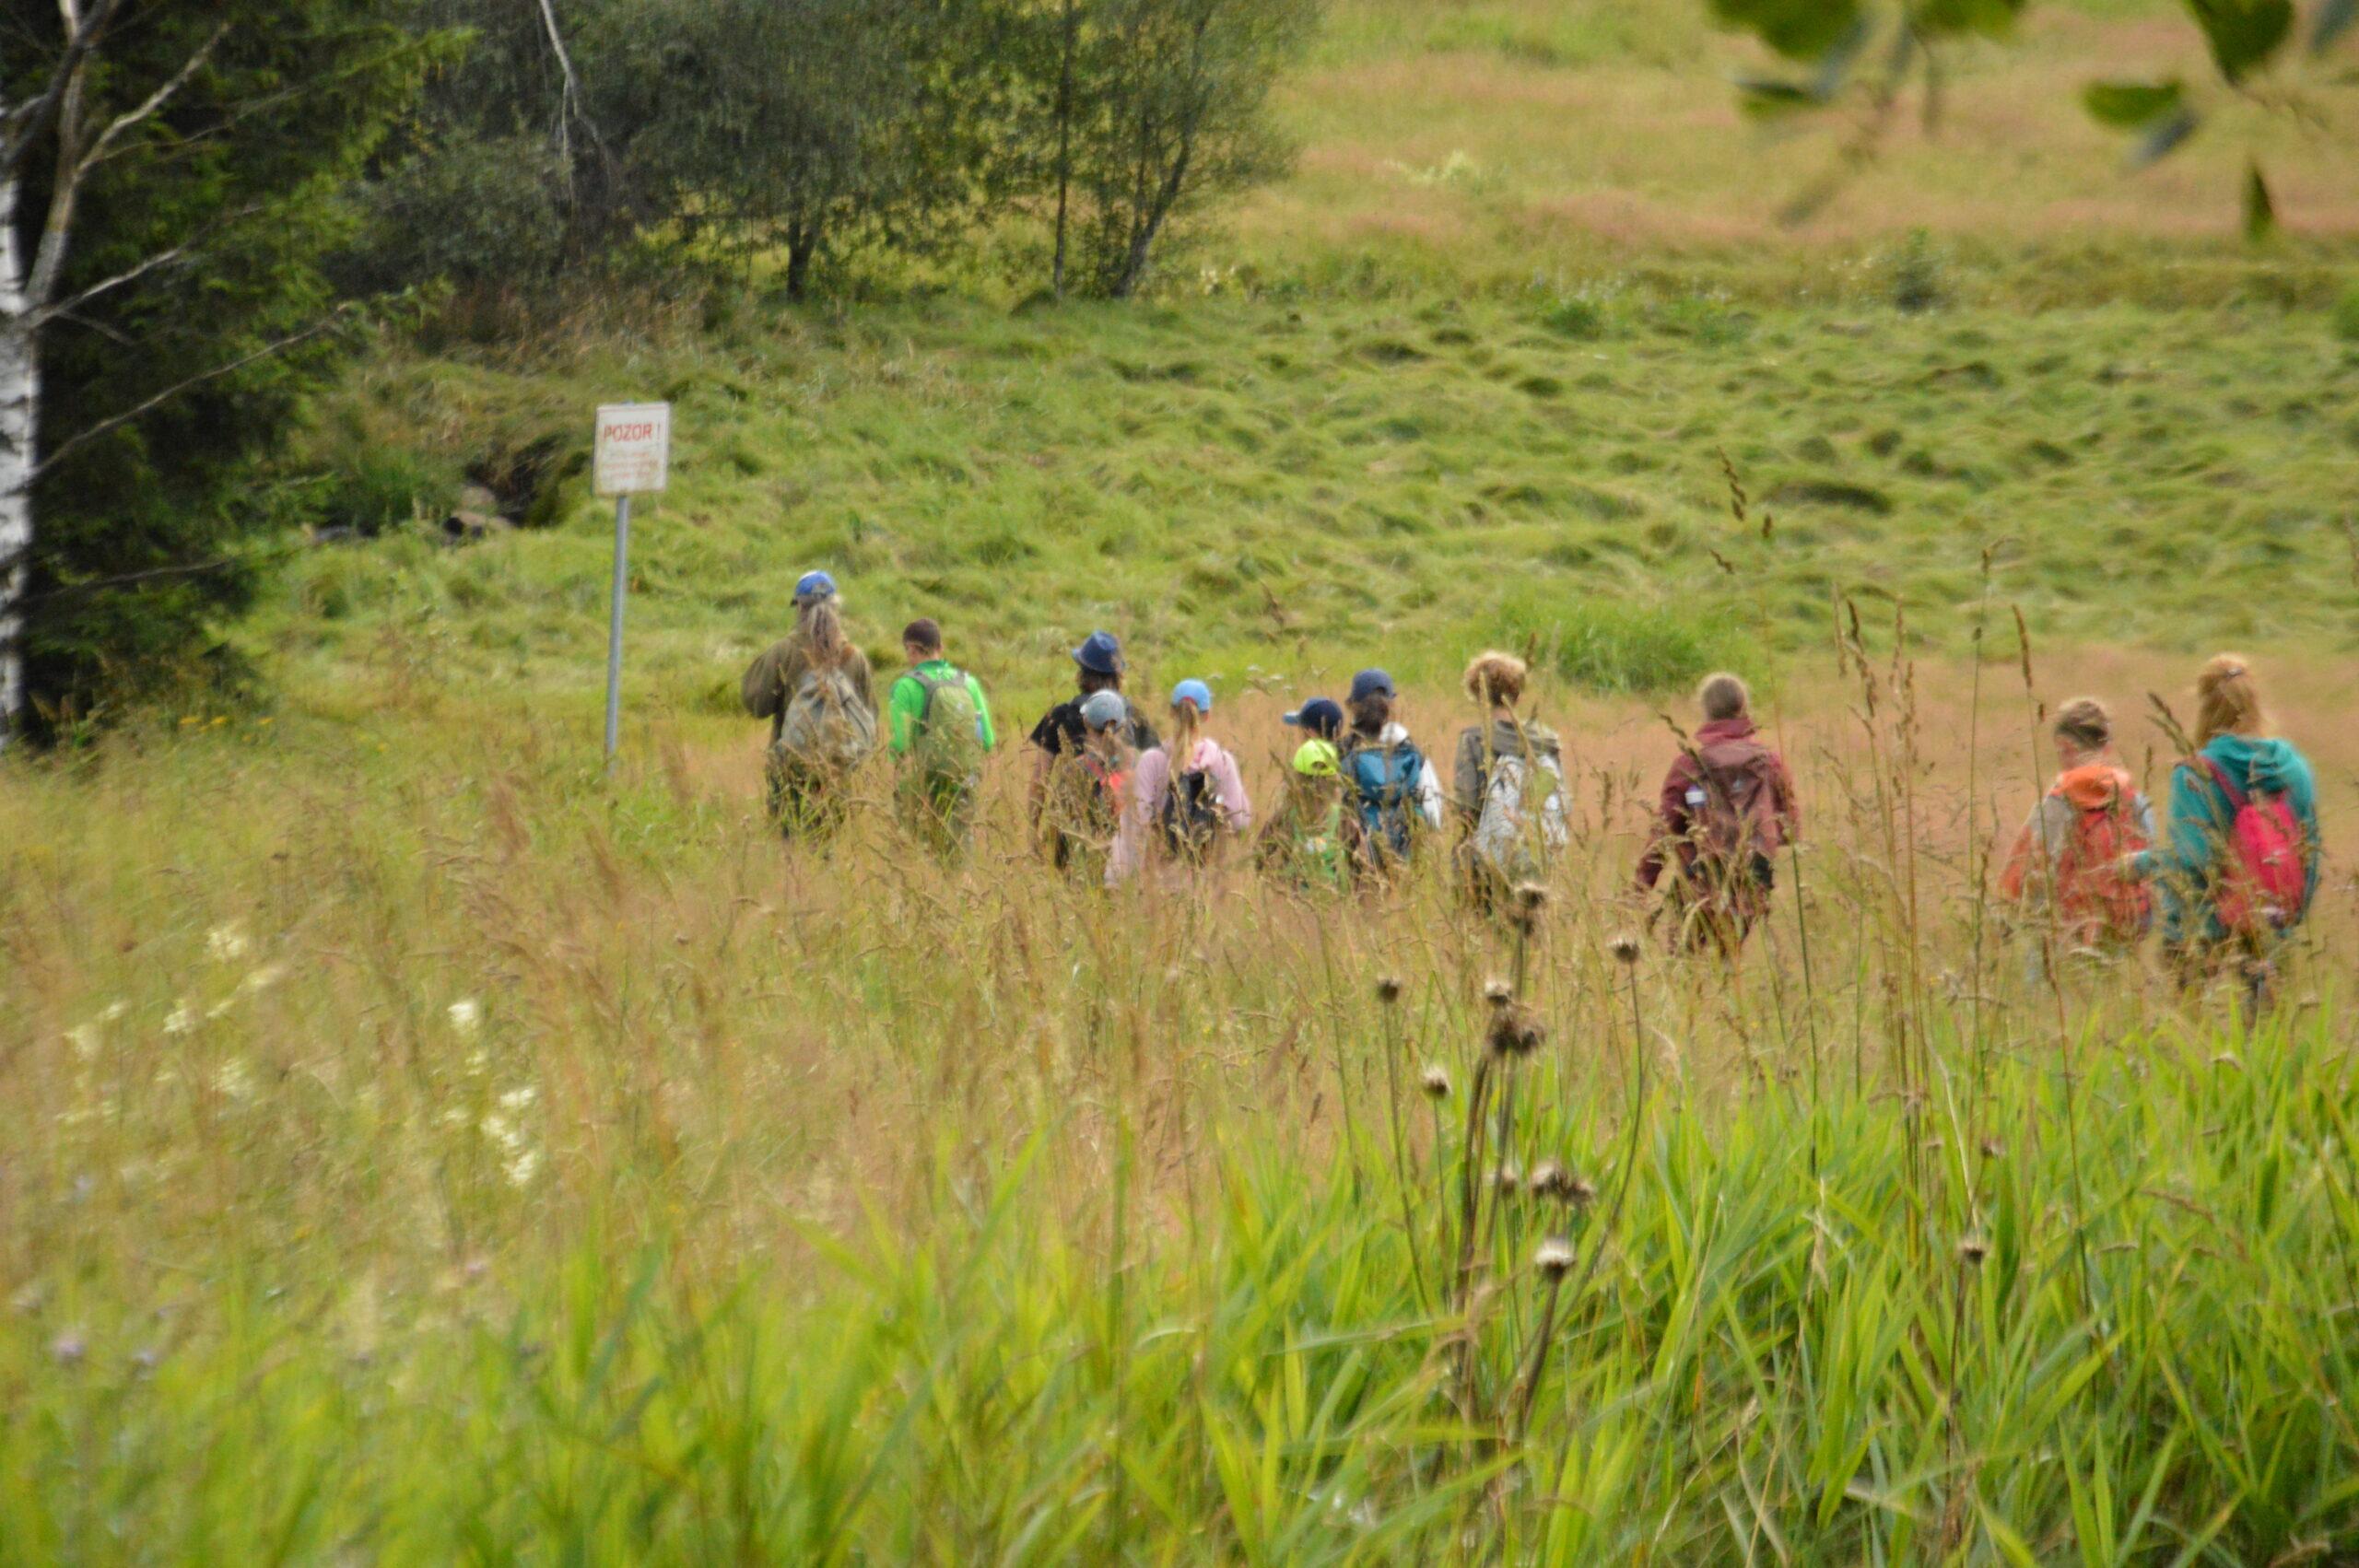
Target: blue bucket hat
[1321, 716]
[812, 587]
[1368, 682]
[1195, 692]
[1099, 654]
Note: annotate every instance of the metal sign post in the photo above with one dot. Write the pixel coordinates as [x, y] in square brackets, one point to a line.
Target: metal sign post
[633, 456]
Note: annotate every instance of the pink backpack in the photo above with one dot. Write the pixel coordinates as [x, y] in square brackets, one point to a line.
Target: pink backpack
[2263, 882]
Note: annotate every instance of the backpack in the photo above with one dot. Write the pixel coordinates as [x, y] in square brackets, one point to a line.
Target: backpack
[2093, 901]
[1386, 780]
[1192, 815]
[948, 739]
[1514, 793]
[2263, 882]
[1735, 831]
[825, 726]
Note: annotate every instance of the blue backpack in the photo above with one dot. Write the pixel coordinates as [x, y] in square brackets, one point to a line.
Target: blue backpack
[1386, 780]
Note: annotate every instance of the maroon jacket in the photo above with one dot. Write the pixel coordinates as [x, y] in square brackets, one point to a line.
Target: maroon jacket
[1675, 815]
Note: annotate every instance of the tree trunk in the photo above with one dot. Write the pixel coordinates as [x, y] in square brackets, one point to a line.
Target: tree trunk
[1065, 140]
[19, 417]
[802, 249]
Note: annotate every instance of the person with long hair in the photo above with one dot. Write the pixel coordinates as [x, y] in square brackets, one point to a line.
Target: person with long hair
[1188, 798]
[2240, 865]
[1508, 787]
[1394, 789]
[812, 686]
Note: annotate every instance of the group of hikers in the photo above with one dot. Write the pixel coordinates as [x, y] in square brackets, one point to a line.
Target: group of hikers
[1111, 798]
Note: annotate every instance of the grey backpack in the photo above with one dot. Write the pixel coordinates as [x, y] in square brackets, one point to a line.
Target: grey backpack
[826, 727]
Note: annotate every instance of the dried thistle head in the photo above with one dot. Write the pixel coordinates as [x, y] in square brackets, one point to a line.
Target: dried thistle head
[1972, 1250]
[1625, 948]
[1553, 1259]
[1437, 1082]
[1516, 1031]
[1581, 1192]
[1508, 1179]
[1992, 1149]
[1531, 896]
[1388, 988]
[1497, 992]
[1549, 1179]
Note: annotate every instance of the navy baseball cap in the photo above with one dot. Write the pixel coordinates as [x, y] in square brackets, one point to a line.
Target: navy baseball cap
[1368, 682]
[1099, 654]
[1320, 716]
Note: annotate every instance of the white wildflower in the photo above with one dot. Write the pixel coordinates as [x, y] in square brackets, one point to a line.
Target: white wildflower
[226, 943]
[521, 1168]
[113, 1010]
[505, 1133]
[84, 1038]
[465, 1016]
[520, 1098]
[263, 979]
[219, 1009]
[181, 1020]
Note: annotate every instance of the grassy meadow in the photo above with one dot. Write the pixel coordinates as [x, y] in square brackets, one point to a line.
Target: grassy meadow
[423, 1148]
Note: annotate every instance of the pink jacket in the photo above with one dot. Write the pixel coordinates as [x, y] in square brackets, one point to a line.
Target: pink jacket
[1151, 780]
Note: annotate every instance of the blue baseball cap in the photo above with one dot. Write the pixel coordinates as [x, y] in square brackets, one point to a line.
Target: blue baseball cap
[1195, 692]
[812, 587]
[1323, 717]
[1099, 653]
[1368, 682]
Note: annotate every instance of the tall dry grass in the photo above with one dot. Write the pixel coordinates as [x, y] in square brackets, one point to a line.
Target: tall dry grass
[420, 1151]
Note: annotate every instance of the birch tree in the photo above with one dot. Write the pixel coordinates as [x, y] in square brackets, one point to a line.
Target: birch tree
[166, 167]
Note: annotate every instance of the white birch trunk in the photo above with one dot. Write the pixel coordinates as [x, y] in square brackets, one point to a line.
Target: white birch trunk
[19, 417]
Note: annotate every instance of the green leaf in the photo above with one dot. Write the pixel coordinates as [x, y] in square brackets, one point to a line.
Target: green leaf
[2164, 139]
[2334, 20]
[2260, 213]
[1799, 29]
[2131, 106]
[2243, 33]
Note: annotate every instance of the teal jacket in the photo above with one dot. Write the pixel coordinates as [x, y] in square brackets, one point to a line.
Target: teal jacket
[2199, 819]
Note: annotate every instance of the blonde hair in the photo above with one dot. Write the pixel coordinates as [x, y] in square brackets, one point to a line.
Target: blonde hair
[1724, 695]
[1186, 725]
[2227, 701]
[822, 634]
[1495, 678]
[2086, 722]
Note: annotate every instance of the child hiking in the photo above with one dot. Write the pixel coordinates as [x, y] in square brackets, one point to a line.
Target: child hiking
[1309, 840]
[2064, 870]
[812, 685]
[2242, 862]
[940, 727]
[1727, 808]
[1392, 788]
[1507, 787]
[1186, 799]
[1066, 803]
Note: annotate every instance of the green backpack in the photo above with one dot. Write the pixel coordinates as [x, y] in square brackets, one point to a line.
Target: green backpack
[948, 739]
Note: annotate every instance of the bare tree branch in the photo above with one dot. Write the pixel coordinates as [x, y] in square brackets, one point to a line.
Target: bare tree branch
[113, 422]
[154, 103]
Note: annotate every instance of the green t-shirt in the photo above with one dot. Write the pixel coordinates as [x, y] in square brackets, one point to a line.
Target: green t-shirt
[907, 705]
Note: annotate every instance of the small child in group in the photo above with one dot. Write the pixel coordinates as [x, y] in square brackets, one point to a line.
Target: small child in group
[1309, 838]
[1394, 790]
[2064, 867]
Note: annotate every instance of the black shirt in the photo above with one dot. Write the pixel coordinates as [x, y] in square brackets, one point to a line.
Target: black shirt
[1060, 733]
